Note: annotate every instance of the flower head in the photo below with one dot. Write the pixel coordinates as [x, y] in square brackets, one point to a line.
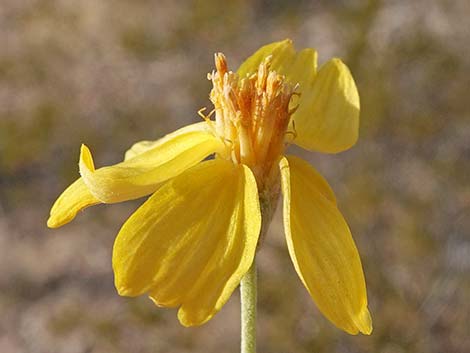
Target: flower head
[251, 114]
[192, 241]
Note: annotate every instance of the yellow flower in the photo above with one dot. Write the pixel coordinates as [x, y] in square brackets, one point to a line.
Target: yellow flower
[191, 242]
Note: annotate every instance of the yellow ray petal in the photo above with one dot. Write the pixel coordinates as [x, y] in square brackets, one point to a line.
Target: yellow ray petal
[192, 241]
[141, 174]
[322, 249]
[144, 146]
[297, 67]
[327, 118]
[282, 52]
[302, 69]
[75, 198]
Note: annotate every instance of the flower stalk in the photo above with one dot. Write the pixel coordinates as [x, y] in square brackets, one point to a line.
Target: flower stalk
[249, 283]
[248, 298]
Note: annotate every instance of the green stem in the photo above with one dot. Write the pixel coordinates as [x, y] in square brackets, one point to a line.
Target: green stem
[248, 310]
[248, 285]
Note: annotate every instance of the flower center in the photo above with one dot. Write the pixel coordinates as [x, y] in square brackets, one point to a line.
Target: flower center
[252, 114]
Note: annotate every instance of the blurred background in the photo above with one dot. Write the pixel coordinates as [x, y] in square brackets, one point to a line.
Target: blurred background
[112, 73]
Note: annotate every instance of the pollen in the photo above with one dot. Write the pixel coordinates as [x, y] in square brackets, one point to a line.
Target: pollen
[252, 114]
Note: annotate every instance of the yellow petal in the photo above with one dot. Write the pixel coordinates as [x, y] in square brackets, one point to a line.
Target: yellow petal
[75, 198]
[145, 169]
[299, 68]
[192, 241]
[327, 118]
[322, 248]
[302, 69]
[144, 146]
[282, 52]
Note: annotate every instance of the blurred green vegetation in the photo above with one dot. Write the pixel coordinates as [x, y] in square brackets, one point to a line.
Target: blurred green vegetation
[112, 73]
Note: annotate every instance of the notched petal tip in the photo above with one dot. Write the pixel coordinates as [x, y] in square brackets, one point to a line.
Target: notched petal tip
[187, 321]
[121, 281]
[74, 199]
[86, 163]
[53, 223]
[159, 304]
[363, 322]
[286, 41]
[125, 292]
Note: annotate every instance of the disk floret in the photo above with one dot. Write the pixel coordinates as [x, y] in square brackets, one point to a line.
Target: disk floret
[251, 114]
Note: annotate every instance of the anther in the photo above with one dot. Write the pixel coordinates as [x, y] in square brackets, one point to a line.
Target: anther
[221, 63]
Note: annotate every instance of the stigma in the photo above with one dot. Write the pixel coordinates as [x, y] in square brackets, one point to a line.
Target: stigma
[252, 114]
